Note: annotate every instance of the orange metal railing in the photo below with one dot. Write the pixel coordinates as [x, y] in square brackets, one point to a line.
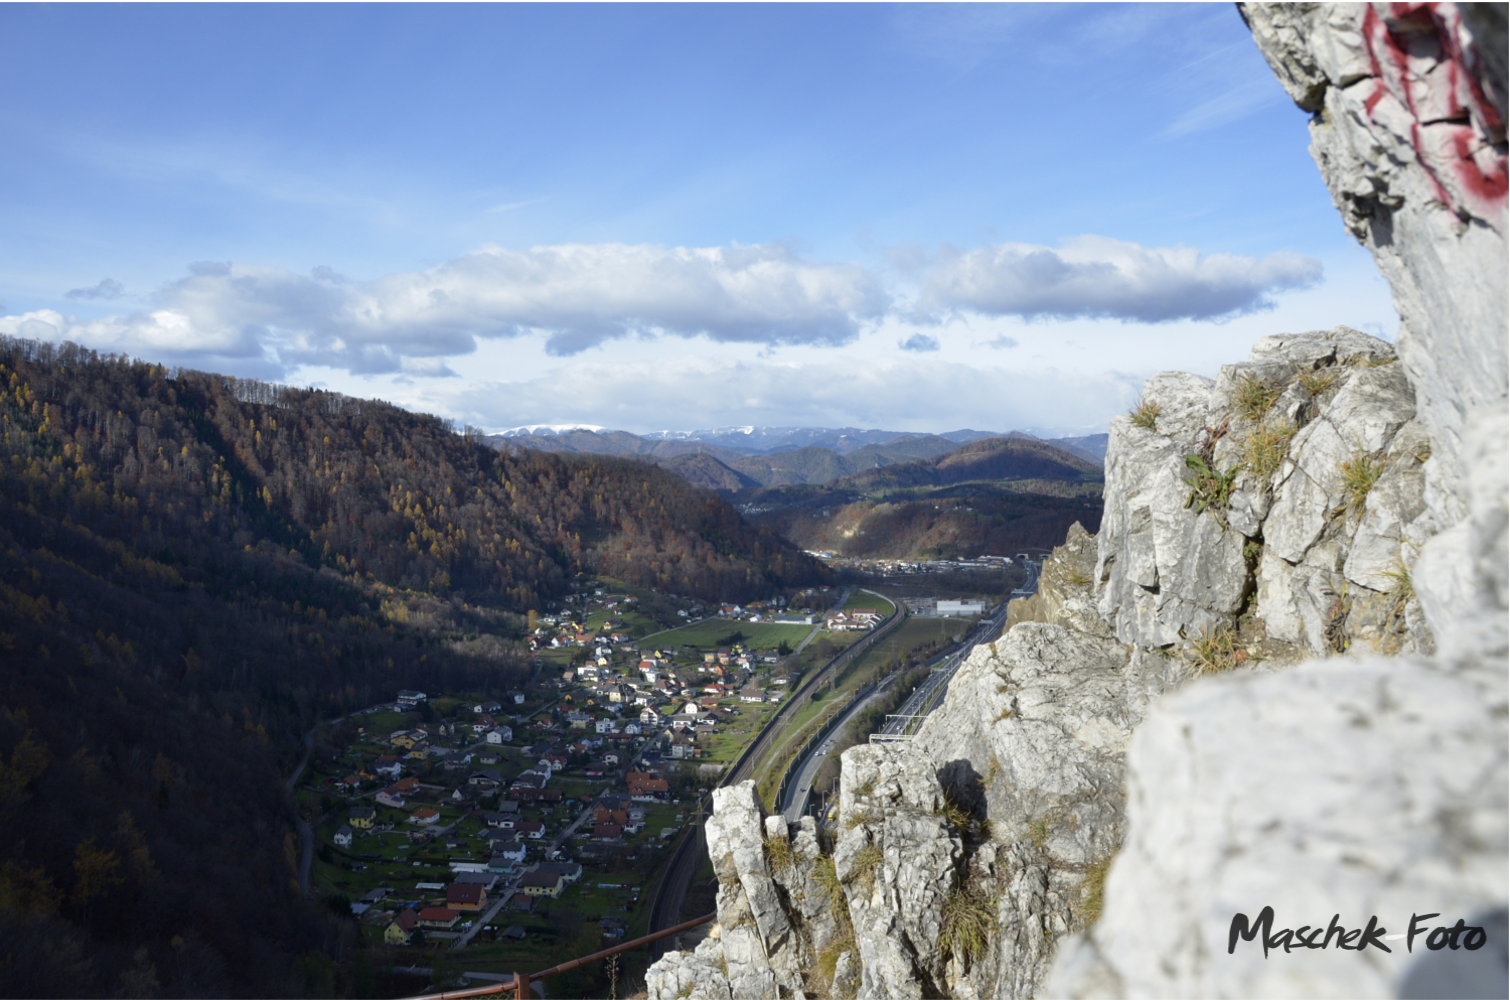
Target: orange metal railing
[520, 986]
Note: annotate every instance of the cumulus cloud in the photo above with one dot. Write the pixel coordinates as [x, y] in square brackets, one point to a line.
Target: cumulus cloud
[919, 342]
[1097, 277]
[578, 295]
[998, 343]
[108, 288]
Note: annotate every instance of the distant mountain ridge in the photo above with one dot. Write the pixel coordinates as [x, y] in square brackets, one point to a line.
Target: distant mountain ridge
[748, 440]
[726, 459]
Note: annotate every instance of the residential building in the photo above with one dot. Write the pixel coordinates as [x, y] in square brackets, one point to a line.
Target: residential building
[539, 883]
[361, 817]
[342, 837]
[438, 917]
[465, 896]
[402, 927]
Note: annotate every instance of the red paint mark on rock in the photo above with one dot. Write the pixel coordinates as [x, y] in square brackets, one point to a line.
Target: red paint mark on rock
[1431, 30]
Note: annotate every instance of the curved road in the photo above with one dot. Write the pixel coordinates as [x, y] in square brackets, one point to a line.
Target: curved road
[667, 905]
[801, 786]
[942, 666]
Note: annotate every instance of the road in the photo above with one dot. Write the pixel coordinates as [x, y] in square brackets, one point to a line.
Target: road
[667, 906]
[306, 832]
[801, 786]
[1030, 585]
[943, 667]
[507, 892]
[931, 691]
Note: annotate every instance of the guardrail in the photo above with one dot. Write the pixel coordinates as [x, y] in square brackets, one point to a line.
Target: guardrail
[823, 731]
[520, 984]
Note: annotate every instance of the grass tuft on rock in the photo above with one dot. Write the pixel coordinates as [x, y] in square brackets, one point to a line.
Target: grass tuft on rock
[1214, 651]
[827, 877]
[1359, 474]
[954, 814]
[1093, 890]
[1315, 381]
[968, 920]
[1265, 448]
[867, 862]
[1253, 397]
[779, 854]
[1145, 413]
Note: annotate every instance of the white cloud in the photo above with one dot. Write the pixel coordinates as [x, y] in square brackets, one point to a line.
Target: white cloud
[579, 295]
[1094, 276]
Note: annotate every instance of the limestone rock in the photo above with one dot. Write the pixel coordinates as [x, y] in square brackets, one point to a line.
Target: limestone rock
[1278, 544]
[896, 857]
[1408, 130]
[1356, 788]
[694, 975]
[758, 943]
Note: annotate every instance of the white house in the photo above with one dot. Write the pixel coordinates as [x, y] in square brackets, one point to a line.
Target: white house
[343, 837]
[500, 735]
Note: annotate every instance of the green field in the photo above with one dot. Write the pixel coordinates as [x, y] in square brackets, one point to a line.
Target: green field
[870, 599]
[909, 636]
[757, 635]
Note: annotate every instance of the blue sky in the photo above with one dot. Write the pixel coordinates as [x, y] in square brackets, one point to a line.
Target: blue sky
[911, 217]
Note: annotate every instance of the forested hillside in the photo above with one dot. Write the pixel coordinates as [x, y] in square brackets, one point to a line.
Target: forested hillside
[194, 569]
[995, 458]
[995, 496]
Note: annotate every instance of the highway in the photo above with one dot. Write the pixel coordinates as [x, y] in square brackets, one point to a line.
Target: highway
[922, 701]
[931, 692]
[666, 906]
[801, 786]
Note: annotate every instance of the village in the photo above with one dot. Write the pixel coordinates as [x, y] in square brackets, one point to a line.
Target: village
[512, 823]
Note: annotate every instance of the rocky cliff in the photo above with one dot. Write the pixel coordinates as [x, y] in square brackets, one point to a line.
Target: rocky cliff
[1276, 678]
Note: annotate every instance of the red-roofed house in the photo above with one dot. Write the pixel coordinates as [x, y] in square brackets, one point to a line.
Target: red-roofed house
[438, 917]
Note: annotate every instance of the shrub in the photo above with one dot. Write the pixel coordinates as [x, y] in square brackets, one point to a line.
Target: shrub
[966, 925]
[1208, 488]
[1359, 474]
[1253, 397]
[1265, 448]
[1145, 413]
